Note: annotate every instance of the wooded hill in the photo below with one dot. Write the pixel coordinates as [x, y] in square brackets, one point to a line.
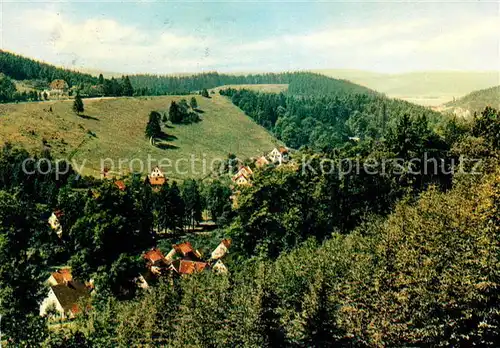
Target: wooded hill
[478, 100]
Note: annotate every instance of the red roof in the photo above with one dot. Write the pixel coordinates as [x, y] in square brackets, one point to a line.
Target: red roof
[154, 255]
[283, 149]
[184, 248]
[188, 267]
[120, 184]
[157, 180]
[58, 213]
[62, 276]
[226, 242]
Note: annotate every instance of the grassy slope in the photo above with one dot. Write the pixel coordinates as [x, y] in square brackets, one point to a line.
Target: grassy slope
[119, 125]
[425, 88]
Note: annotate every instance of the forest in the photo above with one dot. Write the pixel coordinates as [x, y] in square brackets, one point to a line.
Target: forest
[326, 120]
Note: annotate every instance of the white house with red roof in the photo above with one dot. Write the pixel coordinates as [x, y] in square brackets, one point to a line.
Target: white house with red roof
[279, 155]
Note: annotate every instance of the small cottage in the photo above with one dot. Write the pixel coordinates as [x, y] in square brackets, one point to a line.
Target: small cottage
[279, 156]
[58, 87]
[242, 177]
[157, 178]
[155, 260]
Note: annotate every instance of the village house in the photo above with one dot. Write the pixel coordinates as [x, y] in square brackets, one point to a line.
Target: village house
[221, 249]
[241, 180]
[55, 223]
[156, 179]
[188, 266]
[58, 87]
[279, 156]
[262, 161]
[245, 170]
[65, 295]
[155, 260]
[242, 177]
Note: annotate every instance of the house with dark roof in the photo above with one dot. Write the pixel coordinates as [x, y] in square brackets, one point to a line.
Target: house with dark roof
[65, 296]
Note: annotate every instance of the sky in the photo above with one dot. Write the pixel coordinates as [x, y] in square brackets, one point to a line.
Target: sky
[163, 37]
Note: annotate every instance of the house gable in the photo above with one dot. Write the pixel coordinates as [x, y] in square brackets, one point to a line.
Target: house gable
[157, 178]
[221, 249]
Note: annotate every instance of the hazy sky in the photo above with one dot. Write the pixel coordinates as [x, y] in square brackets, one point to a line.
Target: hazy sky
[175, 36]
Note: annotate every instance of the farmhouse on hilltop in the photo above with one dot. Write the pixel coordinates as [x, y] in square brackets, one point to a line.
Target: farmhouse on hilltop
[58, 87]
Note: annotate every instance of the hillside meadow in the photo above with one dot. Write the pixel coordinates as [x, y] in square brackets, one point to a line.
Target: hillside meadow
[114, 128]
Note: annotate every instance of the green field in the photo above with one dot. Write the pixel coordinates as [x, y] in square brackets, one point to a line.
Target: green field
[118, 125]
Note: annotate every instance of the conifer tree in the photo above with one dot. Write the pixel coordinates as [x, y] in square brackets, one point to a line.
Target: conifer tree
[78, 104]
[153, 128]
